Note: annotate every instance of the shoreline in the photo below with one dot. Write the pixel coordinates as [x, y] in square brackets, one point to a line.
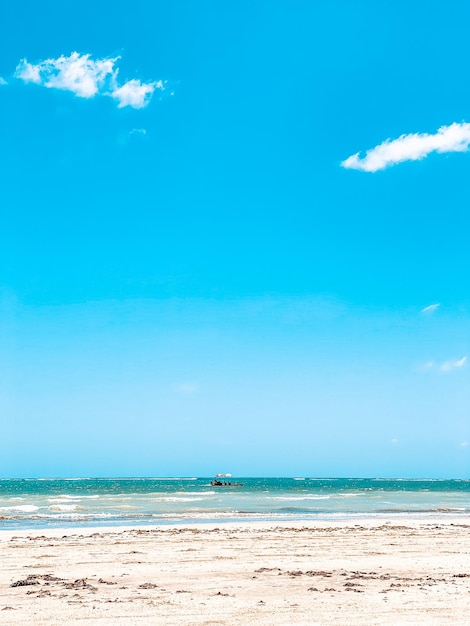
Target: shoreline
[355, 519]
[402, 519]
[371, 572]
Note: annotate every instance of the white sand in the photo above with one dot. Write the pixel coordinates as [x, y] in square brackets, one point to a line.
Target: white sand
[372, 573]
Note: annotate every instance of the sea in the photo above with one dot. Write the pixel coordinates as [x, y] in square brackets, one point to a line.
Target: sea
[40, 503]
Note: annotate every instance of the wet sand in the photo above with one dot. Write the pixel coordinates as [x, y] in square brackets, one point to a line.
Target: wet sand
[374, 573]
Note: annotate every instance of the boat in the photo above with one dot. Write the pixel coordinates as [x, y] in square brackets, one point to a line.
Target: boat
[220, 481]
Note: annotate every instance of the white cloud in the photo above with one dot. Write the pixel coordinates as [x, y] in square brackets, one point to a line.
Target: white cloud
[28, 72]
[3, 81]
[413, 147]
[86, 78]
[431, 308]
[464, 444]
[447, 366]
[138, 131]
[394, 441]
[77, 73]
[136, 94]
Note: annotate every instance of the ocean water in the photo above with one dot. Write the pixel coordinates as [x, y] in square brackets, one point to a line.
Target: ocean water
[78, 502]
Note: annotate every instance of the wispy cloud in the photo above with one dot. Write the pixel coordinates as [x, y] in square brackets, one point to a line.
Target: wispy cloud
[464, 444]
[3, 81]
[412, 147]
[431, 308]
[87, 77]
[138, 131]
[447, 366]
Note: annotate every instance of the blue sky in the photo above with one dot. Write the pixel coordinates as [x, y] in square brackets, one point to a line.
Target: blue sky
[234, 237]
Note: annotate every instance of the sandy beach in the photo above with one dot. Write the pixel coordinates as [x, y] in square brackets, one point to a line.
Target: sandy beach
[345, 573]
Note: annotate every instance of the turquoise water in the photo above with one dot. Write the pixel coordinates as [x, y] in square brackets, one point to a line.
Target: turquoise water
[43, 503]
